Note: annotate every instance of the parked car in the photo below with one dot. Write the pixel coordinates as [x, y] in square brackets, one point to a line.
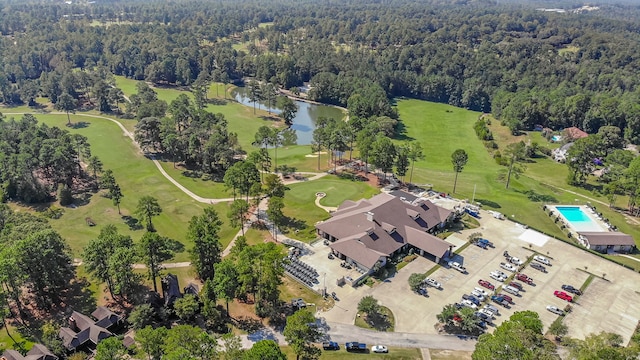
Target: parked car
[524, 278]
[508, 267]
[516, 261]
[555, 310]
[507, 298]
[422, 291]
[471, 298]
[492, 308]
[487, 312]
[542, 259]
[432, 283]
[468, 303]
[500, 300]
[330, 345]
[457, 266]
[479, 244]
[516, 285]
[563, 295]
[571, 289]
[480, 296]
[538, 267]
[511, 290]
[486, 284]
[482, 291]
[379, 349]
[498, 275]
[355, 346]
[482, 316]
[486, 242]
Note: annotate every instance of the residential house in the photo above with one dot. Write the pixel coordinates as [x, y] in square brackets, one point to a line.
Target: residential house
[37, 352]
[85, 332]
[367, 232]
[573, 133]
[606, 241]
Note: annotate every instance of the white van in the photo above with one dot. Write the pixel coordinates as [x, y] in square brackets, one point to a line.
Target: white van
[511, 290]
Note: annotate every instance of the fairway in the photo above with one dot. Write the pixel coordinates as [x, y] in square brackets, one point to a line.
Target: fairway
[137, 177]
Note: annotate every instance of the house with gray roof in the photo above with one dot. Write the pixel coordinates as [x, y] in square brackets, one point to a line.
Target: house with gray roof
[367, 232]
[84, 331]
[37, 352]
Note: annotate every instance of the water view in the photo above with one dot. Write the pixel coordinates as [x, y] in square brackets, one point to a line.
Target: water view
[305, 121]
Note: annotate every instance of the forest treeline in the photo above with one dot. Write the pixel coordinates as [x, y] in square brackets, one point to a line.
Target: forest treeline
[528, 67]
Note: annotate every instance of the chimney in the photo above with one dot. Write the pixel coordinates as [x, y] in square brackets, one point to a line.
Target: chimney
[72, 324]
[369, 215]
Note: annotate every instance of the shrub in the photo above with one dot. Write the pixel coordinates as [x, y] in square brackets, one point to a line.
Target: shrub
[64, 195]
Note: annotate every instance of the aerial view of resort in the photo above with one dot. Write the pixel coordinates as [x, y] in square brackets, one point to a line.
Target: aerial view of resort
[319, 179]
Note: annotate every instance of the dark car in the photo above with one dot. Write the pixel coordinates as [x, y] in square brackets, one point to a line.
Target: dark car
[507, 298]
[499, 299]
[538, 267]
[355, 346]
[330, 345]
[571, 289]
[471, 298]
[516, 285]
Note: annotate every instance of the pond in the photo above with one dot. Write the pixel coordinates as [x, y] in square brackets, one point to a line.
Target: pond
[305, 121]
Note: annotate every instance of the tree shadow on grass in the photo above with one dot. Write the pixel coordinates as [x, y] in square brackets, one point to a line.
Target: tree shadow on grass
[132, 223]
[401, 132]
[79, 297]
[489, 203]
[291, 223]
[218, 102]
[79, 125]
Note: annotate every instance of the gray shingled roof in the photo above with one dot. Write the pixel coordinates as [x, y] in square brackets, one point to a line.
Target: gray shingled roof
[608, 238]
[410, 222]
[357, 251]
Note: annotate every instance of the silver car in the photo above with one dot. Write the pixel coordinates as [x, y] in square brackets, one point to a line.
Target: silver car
[555, 310]
[542, 259]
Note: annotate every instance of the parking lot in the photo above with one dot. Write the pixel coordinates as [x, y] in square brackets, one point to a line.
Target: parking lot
[607, 305]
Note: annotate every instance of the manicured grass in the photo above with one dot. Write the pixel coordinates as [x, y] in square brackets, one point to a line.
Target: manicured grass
[137, 177]
[197, 185]
[449, 354]
[255, 237]
[394, 353]
[6, 343]
[300, 201]
[442, 128]
[384, 311]
[291, 289]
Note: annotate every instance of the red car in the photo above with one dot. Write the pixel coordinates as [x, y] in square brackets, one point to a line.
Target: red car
[524, 278]
[516, 285]
[507, 297]
[563, 295]
[486, 284]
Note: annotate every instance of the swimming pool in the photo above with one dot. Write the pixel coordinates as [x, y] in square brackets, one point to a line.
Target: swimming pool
[578, 219]
[556, 138]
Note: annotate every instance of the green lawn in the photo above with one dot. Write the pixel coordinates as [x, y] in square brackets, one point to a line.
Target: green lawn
[137, 177]
[300, 201]
[394, 353]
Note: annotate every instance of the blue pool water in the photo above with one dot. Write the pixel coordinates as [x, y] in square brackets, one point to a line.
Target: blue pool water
[556, 138]
[578, 218]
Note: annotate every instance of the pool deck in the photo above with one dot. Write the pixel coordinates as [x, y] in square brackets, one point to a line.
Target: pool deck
[592, 215]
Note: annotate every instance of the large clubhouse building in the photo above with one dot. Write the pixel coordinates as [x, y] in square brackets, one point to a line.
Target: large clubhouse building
[367, 232]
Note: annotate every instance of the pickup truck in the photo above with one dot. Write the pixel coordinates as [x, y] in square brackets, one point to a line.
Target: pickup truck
[355, 346]
[500, 300]
[330, 345]
[457, 266]
[508, 267]
[524, 278]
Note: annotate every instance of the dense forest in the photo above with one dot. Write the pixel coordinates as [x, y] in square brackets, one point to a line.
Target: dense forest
[529, 67]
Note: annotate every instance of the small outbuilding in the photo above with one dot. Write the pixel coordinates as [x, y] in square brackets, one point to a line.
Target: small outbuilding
[608, 241]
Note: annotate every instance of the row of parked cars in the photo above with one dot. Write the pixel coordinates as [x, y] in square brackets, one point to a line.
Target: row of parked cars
[354, 346]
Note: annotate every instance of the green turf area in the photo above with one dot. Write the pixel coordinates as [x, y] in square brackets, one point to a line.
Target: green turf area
[137, 177]
[442, 128]
[394, 353]
[7, 343]
[300, 201]
[388, 326]
[198, 185]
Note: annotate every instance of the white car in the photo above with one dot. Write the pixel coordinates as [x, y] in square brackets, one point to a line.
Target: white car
[516, 261]
[432, 283]
[542, 259]
[478, 294]
[487, 312]
[457, 266]
[509, 267]
[555, 310]
[492, 308]
[379, 349]
[481, 291]
[468, 303]
[498, 276]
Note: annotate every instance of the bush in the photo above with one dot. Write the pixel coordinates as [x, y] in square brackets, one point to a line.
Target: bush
[409, 258]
